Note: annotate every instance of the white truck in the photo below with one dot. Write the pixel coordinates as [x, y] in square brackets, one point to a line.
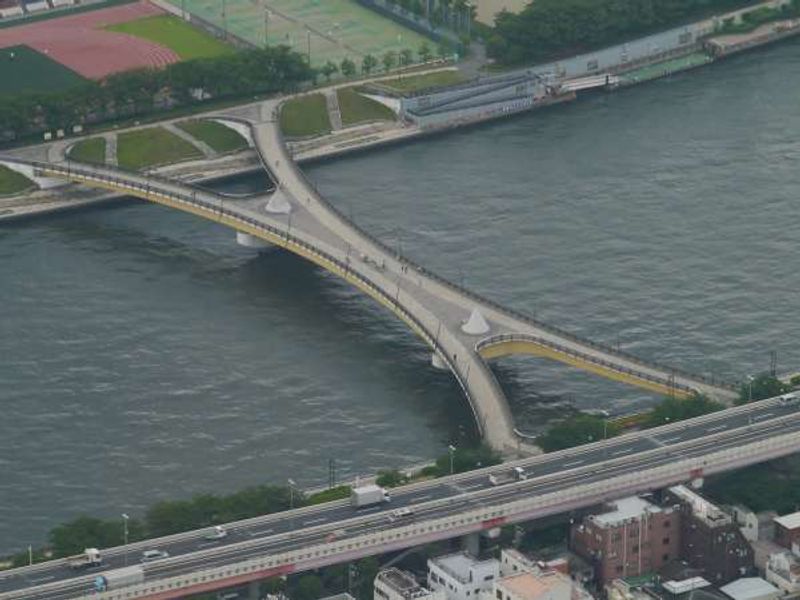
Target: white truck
[89, 558]
[368, 495]
[118, 578]
[515, 474]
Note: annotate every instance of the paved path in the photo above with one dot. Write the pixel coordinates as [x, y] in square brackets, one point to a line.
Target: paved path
[334, 112]
[207, 150]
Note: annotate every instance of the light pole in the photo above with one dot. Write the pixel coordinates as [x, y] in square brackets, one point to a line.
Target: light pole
[125, 518]
[452, 450]
[750, 379]
[291, 492]
[266, 27]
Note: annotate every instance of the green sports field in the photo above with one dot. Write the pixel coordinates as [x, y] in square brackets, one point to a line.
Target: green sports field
[334, 29]
[185, 40]
[23, 69]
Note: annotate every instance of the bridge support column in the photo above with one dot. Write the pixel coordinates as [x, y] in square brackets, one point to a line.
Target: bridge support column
[471, 544]
[437, 362]
[250, 241]
[254, 590]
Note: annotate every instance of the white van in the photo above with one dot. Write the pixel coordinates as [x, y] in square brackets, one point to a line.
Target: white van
[789, 399]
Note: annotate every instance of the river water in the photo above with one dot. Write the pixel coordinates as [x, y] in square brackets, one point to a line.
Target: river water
[145, 356]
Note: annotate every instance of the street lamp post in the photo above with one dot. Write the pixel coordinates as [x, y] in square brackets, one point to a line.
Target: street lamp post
[452, 450]
[125, 518]
[291, 492]
[750, 379]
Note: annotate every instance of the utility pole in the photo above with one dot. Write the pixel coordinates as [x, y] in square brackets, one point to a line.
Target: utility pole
[331, 473]
[308, 38]
[225, 18]
[266, 27]
[773, 362]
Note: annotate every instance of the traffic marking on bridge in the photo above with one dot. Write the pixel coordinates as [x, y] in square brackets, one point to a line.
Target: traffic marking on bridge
[717, 428]
[574, 463]
[313, 521]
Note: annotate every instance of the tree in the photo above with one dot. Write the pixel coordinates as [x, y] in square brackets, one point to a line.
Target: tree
[368, 63]
[347, 67]
[467, 459]
[761, 387]
[672, 410]
[389, 60]
[87, 532]
[329, 69]
[406, 57]
[443, 50]
[575, 431]
[424, 52]
[390, 478]
[308, 587]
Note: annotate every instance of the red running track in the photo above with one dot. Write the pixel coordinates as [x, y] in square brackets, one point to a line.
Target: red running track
[79, 42]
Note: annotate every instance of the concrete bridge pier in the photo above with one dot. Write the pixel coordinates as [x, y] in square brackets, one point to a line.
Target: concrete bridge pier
[254, 590]
[438, 363]
[471, 544]
[250, 241]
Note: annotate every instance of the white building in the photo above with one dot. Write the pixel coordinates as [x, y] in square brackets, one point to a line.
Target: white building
[513, 562]
[461, 576]
[394, 584]
[783, 571]
[751, 588]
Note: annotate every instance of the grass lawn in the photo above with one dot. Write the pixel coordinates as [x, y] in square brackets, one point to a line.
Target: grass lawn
[356, 108]
[152, 146]
[23, 69]
[412, 83]
[220, 138]
[92, 150]
[181, 37]
[305, 116]
[12, 182]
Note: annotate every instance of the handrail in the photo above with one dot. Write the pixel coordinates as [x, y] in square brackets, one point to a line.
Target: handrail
[524, 337]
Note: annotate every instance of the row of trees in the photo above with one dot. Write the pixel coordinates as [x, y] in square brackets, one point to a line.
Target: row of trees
[174, 516]
[389, 60]
[549, 29]
[585, 428]
[139, 92]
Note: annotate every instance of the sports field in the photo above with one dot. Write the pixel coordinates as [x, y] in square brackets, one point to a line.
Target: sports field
[185, 40]
[334, 29]
[80, 42]
[23, 69]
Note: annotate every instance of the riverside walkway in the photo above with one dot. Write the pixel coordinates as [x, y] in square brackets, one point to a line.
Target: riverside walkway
[463, 329]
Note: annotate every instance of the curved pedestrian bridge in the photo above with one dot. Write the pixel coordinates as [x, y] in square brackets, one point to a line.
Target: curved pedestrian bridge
[463, 329]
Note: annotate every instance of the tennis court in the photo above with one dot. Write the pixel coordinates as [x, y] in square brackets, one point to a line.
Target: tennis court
[331, 29]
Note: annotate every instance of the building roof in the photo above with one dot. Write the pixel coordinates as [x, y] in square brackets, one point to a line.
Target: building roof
[459, 565]
[790, 521]
[685, 585]
[749, 588]
[625, 510]
[701, 508]
[530, 586]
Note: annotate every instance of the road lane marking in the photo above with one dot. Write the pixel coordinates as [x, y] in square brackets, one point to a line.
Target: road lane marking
[623, 451]
[764, 416]
[42, 579]
[573, 463]
[259, 533]
[312, 521]
[207, 544]
[421, 498]
[717, 428]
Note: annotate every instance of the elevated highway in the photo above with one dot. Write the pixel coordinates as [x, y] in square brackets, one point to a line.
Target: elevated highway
[316, 536]
[463, 328]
